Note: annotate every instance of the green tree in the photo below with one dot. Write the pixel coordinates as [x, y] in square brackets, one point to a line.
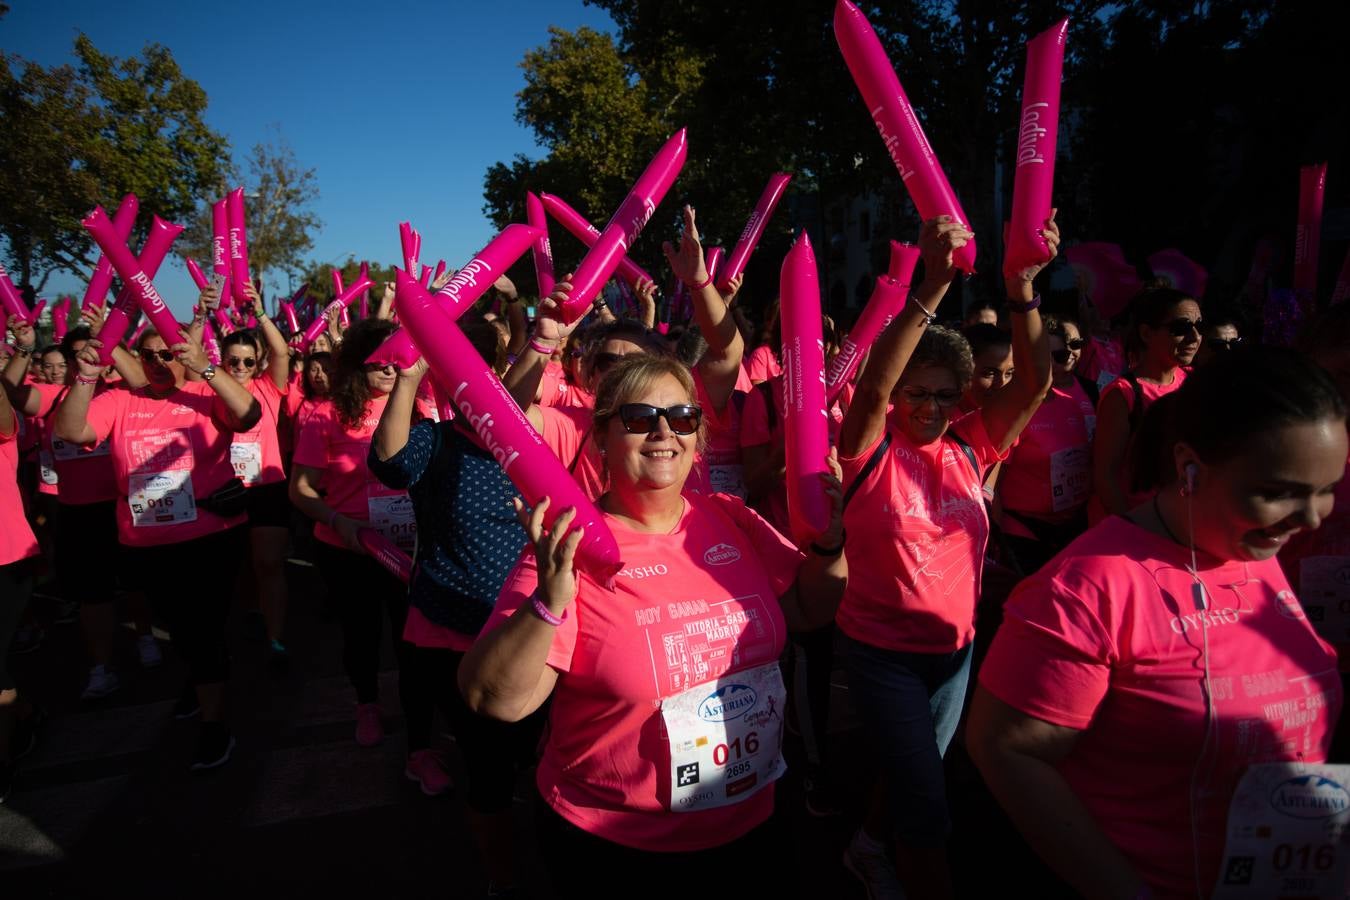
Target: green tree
[76, 136]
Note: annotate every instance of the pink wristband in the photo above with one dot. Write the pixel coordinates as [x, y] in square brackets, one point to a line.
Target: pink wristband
[542, 612]
[541, 349]
[82, 380]
[701, 286]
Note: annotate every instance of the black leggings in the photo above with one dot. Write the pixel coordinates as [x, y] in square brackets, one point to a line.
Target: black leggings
[494, 752]
[16, 586]
[186, 590]
[364, 593]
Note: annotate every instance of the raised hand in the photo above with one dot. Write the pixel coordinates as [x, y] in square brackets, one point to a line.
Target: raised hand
[939, 239]
[554, 550]
[687, 261]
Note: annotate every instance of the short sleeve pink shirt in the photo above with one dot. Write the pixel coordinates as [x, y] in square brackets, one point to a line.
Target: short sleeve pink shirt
[16, 537]
[688, 608]
[256, 454]
[82, 475]
[1048, 474]
[1108, 641]
[763, 364]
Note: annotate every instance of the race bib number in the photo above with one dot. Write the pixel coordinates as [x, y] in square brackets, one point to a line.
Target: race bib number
[64, 451]
[162, 498]
[246, 457]
[392, 515]
[1324, 591]
[46, 468]
[1287, 834]
[1070, 477]
[726, 738]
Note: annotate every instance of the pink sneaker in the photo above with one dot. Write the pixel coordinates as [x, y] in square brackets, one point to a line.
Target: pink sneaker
[369, 729]
[426, 768]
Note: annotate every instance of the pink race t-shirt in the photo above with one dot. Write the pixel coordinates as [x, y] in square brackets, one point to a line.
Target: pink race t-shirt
[1107, 640]
[1151, 392]
[16, 536]
[1317, 564]
[556, 390]
[763, 364]
[256, 454]
[81, 475]
[168, 455]
[917, 530]
[324, 442]
[689, 610]
[1101, 361]
[718, 469]
[1048, 474]
[567, 432]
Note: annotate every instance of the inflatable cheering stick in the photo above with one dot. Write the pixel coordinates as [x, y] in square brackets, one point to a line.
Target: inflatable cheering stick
[754, 229]
[239, 269]
[1312, 182]
[129, 269]
[412, 247]
[887, 299]
[339, 305]
[714, 262]
[588, 234]
[625, 225]
[805, 424]
[157, 244]
[1035, 167]
[899, 126]
[543, 251]
[101, 280]
[386, 553]
[482, 401]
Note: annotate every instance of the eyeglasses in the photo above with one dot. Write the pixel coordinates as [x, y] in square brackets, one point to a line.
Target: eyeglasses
[1075, 343]
[917, 396]
[380, 367]
[604, 361]
[643, 418]
[1183, 327]
[164, 356]
[1224, 343]
[247, 363]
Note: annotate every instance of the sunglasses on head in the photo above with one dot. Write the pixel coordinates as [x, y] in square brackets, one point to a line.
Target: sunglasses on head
[917, 396]
[1183, 327]
[164, 356]
[643, 418]
[246, 362]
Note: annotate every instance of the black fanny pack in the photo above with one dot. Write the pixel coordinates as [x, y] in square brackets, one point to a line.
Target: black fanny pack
[228, 501]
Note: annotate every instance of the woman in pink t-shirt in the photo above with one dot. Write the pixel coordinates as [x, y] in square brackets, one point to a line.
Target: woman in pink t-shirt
[179, 511]
[1160, 657]
[667, 703]
[1044, 486]
[332, 484]
[918, 532]
[1165, 333]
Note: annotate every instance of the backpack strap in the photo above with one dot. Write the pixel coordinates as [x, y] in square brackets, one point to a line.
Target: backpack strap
[1090, 388]
[969, 451]
[868, 468]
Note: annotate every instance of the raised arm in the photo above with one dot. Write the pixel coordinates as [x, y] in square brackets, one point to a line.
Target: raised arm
[278, 354]
[515, 315]
[241, 409]
[866, 417]
[21, 394]
[71, 421]
[391, 435]
[522, 379]
[721, 364]
[646, 298]
[1008, 411]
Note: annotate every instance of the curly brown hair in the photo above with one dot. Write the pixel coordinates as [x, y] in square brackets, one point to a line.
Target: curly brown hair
[945, 348]
[350, 393]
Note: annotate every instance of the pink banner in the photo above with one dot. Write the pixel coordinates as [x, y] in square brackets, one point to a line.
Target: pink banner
[483, 403]
[754, 228]
[1034, 182]
[101, 281]
[1312, 183]
[900, 129]
[576, 224]
[543, 252]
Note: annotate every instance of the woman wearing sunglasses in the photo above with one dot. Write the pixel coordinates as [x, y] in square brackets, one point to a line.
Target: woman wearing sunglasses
[177, 519]
[333, 485]
[256, 455]
[1047, 478]
[1164, 335]
[1141, 672]
[667, 704]
[918, 531]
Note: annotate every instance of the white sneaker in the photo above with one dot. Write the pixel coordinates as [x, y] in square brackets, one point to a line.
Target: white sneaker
[102, 682]
[868, 862]
[148, 650]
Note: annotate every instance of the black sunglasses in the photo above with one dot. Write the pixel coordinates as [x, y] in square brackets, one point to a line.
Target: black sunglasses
[1060, 356]
[379, 367]
[247, 362]
[1075, 343]
[164, 356]
[1183, 327]
[1224, 343]
[643, 418]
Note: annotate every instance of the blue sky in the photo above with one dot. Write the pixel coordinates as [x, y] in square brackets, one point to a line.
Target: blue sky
[400, 106]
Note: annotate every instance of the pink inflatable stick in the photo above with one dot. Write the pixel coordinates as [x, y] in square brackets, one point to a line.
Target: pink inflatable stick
[61, 318]
[386, 553]
[887, 299]
[536, 217]
[209, 342]
[1312, 182]
[239, 268]
[754, 228]
[13, 302]
[502, 429]
[426, 278]
[899, 126]
[440, 270]
[625, 225]
[463, 290]
[714, 261]
[102, 279]
[337, 284]
[1033, 185]
[805, 425]
[197, 275]
[220, 237]
[588, 234]
[128, 268]
[292, 320]
[412, 247]
[340, 303]
[119, 316]
[223, 322]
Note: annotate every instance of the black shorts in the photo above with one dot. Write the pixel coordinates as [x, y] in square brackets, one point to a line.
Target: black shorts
[87, 551]
[269, 505]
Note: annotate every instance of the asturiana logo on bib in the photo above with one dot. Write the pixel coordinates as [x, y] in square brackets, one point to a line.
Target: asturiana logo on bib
[1310, 797]
[728, 702]
[721, 555]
